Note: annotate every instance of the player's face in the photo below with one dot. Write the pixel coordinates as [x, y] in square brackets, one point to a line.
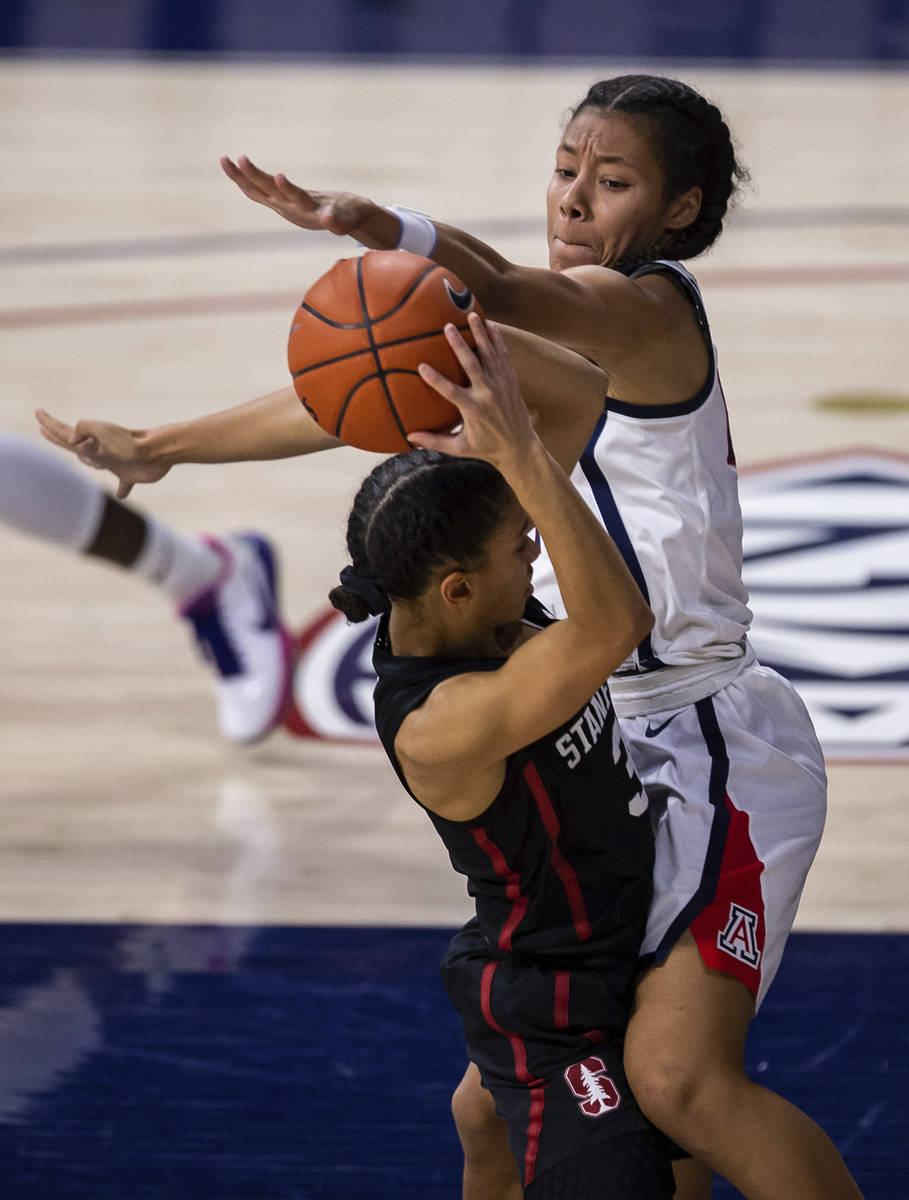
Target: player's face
[504, 581]
[606, 198]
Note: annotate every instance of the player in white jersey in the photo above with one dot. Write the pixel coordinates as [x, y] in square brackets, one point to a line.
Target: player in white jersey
[731, 856]
[643, 175]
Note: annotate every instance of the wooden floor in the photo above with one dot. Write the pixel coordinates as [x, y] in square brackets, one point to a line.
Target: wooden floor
[136, 283]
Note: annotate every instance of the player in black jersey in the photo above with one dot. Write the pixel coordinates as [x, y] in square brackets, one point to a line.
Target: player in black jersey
[498, 722]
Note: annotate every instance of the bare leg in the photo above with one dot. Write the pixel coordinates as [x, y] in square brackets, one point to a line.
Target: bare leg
[490, 1171]
[684, 1055]
[693, 1181]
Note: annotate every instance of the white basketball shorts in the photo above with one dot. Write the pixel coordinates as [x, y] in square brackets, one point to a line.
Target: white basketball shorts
[738, 795]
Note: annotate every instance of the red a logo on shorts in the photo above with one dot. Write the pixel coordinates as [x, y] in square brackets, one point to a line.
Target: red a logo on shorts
[739, 938]
[590, 1082]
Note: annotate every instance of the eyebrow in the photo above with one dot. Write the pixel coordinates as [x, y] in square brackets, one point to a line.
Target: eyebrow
[600, 158]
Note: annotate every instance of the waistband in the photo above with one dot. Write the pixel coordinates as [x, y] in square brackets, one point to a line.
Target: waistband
[674, 687]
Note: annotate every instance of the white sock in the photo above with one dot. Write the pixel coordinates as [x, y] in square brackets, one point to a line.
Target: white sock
[182, 567]
[42, 495]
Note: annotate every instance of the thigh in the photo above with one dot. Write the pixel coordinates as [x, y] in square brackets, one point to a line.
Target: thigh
[687, 1015]
[474, 1113]
[738, 793]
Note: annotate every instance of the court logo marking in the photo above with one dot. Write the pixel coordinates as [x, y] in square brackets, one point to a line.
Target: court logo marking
[826, 563]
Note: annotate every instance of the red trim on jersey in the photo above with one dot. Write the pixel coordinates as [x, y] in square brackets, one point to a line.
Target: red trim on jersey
[562, 990]
[730, 931]
[513, 887]
[522, 1072]
[562, 867]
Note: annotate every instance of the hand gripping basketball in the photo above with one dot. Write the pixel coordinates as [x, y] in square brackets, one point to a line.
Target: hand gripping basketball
[495, 422]
[358, 338]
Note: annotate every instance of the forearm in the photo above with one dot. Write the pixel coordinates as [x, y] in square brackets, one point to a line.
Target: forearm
[271, 426]
[494, 280]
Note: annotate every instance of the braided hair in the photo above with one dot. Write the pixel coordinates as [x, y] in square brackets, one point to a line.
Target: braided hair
[416, 512]
[693, 146]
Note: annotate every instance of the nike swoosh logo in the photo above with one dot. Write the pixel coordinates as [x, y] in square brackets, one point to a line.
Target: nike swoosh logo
[653, 730]
[462, 300]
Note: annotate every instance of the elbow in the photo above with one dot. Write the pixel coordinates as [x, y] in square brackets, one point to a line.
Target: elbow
[640, 622]
[646, 621]
[643, 624]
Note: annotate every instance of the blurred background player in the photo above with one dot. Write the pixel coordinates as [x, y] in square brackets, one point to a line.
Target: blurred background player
[226, 588]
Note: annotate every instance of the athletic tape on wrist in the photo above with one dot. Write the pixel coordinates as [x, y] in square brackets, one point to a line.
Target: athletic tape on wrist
[418, 234]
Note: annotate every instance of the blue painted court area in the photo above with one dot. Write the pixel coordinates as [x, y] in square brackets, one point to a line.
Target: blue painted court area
[270, 1064]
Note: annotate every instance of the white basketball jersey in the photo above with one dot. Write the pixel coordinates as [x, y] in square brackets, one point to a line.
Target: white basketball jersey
[664, 482]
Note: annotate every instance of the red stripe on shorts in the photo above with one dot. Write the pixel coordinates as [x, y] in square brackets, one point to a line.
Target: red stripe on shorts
[562, 989]
[522, 1072]
[730, 930]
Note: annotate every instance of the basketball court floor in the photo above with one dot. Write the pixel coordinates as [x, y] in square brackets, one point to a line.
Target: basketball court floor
[218, 965]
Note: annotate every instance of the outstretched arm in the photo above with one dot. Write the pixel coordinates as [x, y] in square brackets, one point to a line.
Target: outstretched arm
[592, 310]
[272, 426]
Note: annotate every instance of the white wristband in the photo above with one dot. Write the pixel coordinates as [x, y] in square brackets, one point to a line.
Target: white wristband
[418, 234]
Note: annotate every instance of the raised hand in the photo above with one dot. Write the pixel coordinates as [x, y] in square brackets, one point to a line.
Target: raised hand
[106, 447]
[337, 212]
[495, 423]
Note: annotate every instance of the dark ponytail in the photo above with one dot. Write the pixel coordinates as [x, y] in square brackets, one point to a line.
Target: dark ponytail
[416, 512]
[693, 146]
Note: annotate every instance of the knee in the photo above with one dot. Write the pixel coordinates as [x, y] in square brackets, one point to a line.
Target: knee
[473, 1108]
[677, 1096]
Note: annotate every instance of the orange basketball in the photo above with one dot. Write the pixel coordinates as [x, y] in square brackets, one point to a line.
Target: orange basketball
[358, 337]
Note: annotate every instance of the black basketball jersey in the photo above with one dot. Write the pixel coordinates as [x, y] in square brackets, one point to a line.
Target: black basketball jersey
[560, 863]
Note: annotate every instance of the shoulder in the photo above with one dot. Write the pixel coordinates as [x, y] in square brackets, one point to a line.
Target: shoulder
[440, 747]
[660, 289]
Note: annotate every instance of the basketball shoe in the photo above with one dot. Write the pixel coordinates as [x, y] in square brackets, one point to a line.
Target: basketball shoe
[239, 631]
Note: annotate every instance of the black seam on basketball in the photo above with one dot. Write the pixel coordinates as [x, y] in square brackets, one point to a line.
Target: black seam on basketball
[344, 407]
[364, 379]
[416, 337]
[400, 304]
[375, 352]
[320, 316]
[314, 312]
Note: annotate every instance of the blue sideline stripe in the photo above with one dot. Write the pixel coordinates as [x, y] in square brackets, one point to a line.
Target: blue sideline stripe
[242, 1063]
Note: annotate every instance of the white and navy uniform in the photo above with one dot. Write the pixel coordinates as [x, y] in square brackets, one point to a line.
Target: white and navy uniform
[560, 868]
[725, 746]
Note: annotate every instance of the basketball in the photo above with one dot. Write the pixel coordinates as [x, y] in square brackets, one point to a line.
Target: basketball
[358, 337]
